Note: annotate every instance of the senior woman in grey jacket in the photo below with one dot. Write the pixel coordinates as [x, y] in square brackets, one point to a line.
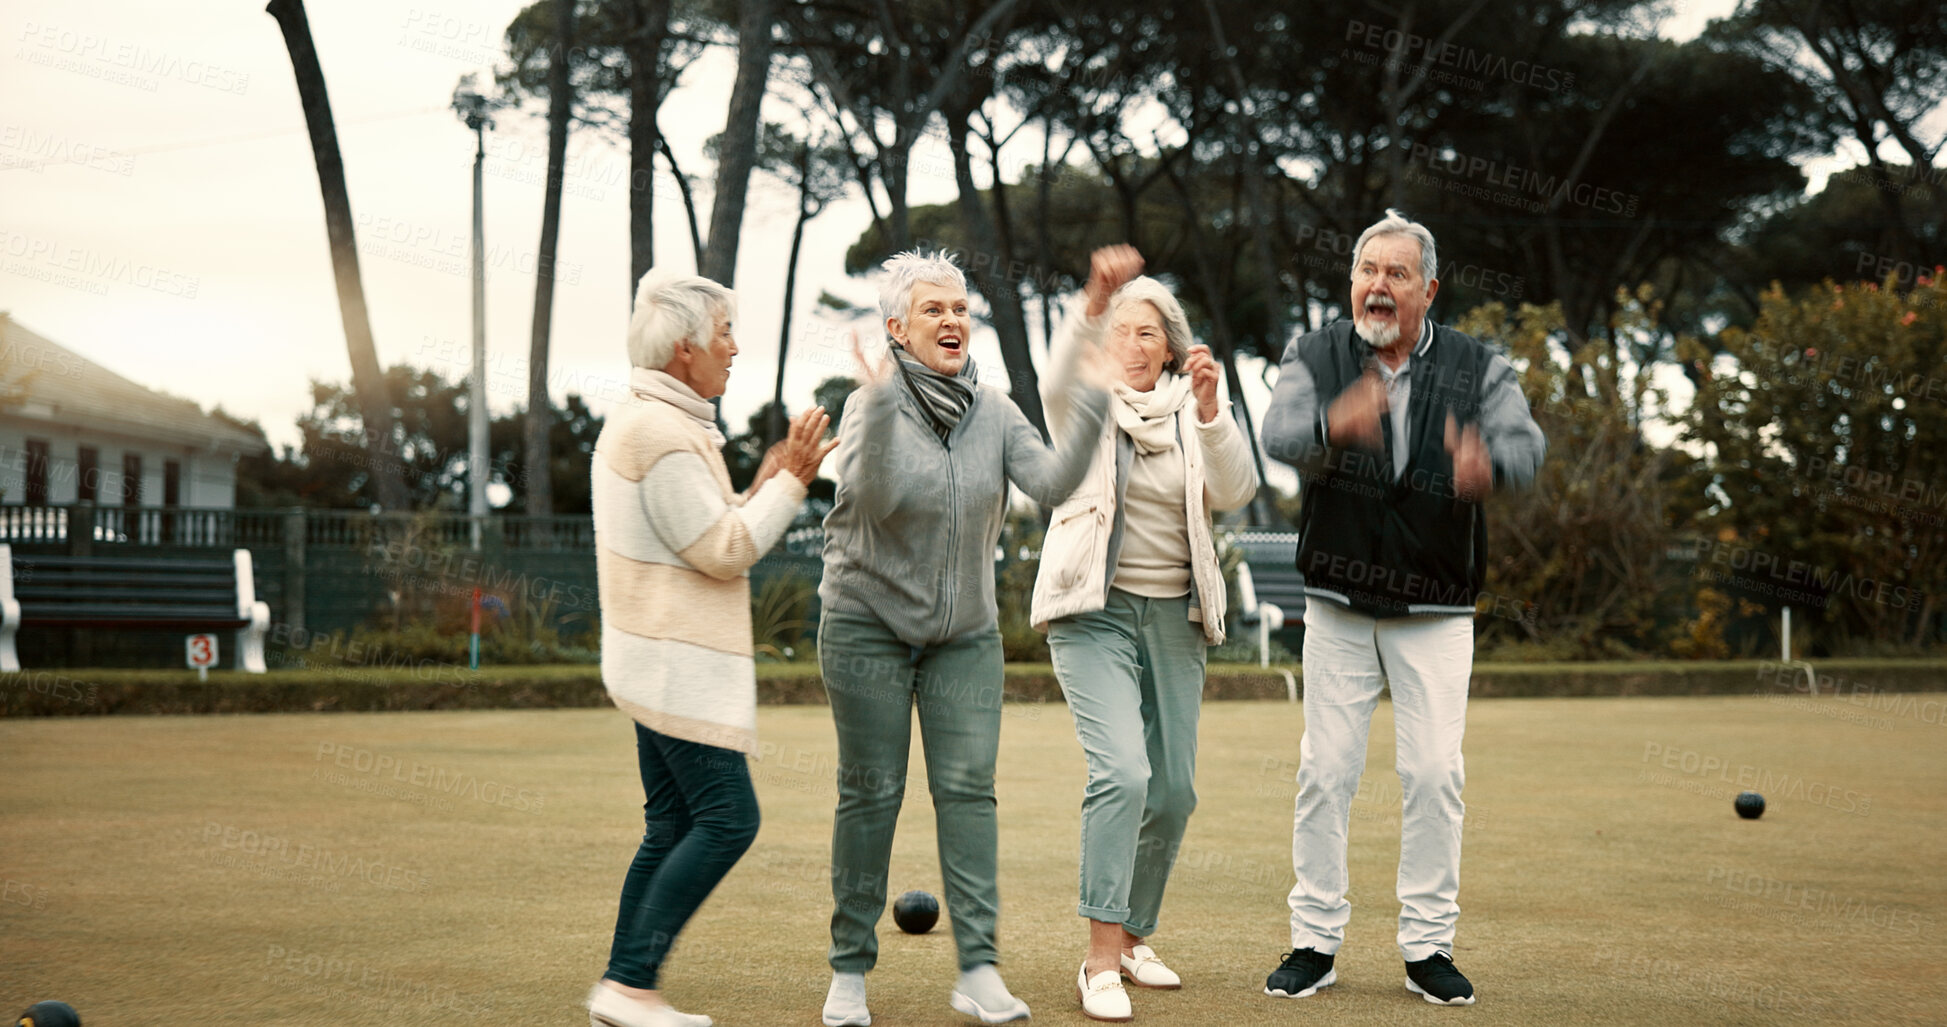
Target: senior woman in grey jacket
[923, 464]
[1130, 594]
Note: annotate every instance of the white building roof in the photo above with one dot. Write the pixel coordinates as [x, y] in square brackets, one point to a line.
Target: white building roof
[42, 380]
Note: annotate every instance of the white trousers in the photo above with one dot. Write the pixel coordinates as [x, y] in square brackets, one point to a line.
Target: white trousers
[1426, 661]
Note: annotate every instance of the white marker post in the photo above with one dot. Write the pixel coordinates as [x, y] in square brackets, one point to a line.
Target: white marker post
[1785, 652]
[200, 652]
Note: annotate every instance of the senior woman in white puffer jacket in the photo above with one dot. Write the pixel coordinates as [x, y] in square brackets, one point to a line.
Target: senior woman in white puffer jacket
[1130, 594]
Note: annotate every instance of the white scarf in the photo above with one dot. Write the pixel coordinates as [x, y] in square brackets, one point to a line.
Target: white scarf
[661, 387]
[1150, 417]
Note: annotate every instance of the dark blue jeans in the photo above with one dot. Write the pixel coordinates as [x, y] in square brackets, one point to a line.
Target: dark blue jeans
[700, 815]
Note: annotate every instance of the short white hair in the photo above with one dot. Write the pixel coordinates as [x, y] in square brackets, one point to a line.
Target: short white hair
[905, 270]
[1176, 325]
[670, 308]
[1395, 223]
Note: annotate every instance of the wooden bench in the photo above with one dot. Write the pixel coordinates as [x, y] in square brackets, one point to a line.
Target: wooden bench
[187, 592]
[1269, 597]
[1270, 591]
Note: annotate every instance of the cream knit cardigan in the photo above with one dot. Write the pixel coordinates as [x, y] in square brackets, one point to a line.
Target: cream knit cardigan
[1218, 474]
[673, 550]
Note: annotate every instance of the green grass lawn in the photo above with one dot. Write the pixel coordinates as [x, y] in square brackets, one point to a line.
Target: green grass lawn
[462, 867]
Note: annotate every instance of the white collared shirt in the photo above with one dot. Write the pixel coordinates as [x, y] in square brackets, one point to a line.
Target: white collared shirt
[1399, 389]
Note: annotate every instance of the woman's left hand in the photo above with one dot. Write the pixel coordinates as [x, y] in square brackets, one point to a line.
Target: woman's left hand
[1204, 374]
[805, 447]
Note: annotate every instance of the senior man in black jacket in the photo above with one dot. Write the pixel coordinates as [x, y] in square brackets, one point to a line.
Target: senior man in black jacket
[1399, 429]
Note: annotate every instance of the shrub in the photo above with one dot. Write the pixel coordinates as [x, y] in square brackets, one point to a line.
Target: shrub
[1013, 594]
[1822, 425]
[780, 611]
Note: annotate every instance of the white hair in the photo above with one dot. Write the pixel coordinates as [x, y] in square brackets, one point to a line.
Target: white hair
[672, 308]
[1395, 223]
[1176, 325]
[905, 270]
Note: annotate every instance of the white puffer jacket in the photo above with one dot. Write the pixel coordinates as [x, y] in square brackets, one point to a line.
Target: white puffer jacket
[1218, 475]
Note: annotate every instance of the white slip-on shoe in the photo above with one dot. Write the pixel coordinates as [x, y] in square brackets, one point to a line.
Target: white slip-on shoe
[1102, 995]
[610, 1008]
[982, 995]
[845, 1002]
[1144, 970]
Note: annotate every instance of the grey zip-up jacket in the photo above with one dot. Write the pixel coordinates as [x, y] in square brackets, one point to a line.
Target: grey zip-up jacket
[910, 538]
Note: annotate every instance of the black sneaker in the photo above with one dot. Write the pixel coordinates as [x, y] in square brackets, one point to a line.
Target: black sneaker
[1303, 972]
[1436, 979]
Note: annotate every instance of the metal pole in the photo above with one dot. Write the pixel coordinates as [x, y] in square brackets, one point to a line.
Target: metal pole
[477, 404]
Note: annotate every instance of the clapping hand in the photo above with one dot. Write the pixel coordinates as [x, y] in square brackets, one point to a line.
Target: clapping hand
[766, 469]
[805, 446]
[1473, 472]
[1353, 418]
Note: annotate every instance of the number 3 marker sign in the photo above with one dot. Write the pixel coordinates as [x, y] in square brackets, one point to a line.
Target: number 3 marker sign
[200, 651]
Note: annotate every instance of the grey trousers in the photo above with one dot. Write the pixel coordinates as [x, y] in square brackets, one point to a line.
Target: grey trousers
[875, 681]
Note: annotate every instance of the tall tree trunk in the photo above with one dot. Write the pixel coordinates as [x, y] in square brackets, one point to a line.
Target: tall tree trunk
[737, 152]
[689, 200]
[540, 412]
[1244, 125]
[645, 48]
[892, 168]
[368, 380]
[1044, 258]
[774, 430]
[991, 274]
[1213, 270]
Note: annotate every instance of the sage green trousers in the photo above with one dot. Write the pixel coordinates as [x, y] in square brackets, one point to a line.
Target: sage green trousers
[1133, 673]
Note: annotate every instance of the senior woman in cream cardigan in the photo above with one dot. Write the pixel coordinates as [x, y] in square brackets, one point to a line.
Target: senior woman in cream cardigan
[1130, 594]
[673, 550]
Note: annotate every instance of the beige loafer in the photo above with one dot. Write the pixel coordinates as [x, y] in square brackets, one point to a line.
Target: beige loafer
[1102, 995]
[1144, 970]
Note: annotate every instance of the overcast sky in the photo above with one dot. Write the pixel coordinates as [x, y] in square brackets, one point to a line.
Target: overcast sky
[160, 212]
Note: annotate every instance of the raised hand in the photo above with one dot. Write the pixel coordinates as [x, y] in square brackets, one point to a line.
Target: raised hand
[1108, 269]
[1353, 418]
[1204, 375]
[805, 446]
[1094, 369]
[1473, 471]
[870, 372]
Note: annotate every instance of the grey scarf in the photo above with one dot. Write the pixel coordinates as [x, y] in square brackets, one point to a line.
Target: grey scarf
[944, 399]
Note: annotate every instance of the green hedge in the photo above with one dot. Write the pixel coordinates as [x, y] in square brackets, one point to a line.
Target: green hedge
[58, 693]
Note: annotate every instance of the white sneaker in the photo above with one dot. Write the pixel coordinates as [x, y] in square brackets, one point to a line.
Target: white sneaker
[845, 1002]
[1102, 995]
[982, 995]
[1144, 970]
[610, 1008]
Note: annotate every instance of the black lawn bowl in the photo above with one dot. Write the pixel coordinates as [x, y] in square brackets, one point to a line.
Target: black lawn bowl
[916, 912]
[49, 1014]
